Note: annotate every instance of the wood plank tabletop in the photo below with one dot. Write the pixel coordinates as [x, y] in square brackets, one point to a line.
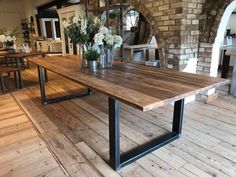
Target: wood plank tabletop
[142, 87]
[31, 54]
[22, 55]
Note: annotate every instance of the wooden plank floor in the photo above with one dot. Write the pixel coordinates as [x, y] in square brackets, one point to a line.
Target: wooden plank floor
[76, 130]
[21, 148]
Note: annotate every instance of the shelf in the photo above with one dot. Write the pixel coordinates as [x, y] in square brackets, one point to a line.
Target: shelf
[27, 29]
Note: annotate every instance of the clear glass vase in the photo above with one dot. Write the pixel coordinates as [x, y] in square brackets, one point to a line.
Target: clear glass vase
[109, 57]
[102, 63]
[84, 60]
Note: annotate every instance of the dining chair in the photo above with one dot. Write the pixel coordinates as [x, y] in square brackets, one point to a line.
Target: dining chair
[4, 69]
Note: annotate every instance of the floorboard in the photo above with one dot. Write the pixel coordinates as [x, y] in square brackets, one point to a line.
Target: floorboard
[70, 138]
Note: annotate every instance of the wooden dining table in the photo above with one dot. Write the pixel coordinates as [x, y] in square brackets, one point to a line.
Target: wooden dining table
[18, 58]
[142, 87]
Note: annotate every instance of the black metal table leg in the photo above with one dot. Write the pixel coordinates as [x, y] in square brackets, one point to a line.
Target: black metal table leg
[44, 99]
[114, 133]
[225, 65]
[178, 116]
[19, 73]
[45, 71]
[2, 84]
[16, 79]
[117, 160]
[42, 85]
[46, 75]
[20, 79]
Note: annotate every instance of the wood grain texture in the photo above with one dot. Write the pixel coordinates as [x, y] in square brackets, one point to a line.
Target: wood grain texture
[142, 87]
[22, 151]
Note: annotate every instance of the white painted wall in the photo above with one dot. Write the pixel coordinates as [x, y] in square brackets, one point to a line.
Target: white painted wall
[10, 16]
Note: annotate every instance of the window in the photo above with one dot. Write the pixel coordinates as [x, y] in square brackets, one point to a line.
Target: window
[131, 19]
[51, 28]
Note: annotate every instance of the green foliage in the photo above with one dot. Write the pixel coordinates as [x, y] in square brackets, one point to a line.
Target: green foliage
[81, 29]
[112, 15]
[9, 43]
[75, 35]
[91, 55]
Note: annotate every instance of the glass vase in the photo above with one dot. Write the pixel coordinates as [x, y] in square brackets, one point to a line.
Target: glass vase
[109, 57]
[84, 63]
[102, 63]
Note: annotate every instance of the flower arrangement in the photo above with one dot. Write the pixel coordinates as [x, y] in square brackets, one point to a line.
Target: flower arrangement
[109, 41]
[89, 32]
[106, 41]
[81, 29]
[7, 38]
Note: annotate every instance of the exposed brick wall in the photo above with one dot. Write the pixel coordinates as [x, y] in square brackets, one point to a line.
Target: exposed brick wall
[176, 24]
[204, 58]
[187, 27]
[209, 23]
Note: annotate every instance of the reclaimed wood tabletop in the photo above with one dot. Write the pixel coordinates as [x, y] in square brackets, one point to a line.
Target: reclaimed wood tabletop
[23, 55]
[142, 87]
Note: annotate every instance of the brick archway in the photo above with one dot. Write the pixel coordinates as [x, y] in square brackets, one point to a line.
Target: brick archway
[211, 18]
[140, 7]
[212, 27]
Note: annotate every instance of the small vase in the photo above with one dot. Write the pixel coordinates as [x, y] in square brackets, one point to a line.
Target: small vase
[84, 60]
[109, 61]
[102, 59]
[93, 65]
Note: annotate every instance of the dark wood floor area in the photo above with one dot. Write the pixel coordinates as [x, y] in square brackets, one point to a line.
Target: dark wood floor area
[71, 138]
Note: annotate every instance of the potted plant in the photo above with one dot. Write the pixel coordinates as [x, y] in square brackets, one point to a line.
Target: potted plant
[92, 56]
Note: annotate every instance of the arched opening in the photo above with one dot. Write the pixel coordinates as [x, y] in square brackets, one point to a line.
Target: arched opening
[219, 40]
[153, 37]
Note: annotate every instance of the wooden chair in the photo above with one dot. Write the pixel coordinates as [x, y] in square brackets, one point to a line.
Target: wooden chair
[4, 69]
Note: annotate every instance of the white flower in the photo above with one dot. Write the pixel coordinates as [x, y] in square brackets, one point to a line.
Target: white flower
[96, 48]
[83, 26]
[2, 38]
[98, 38]
[75, 19]
[118, 41]
[104, 30]
[109, 40]
[97, 21]
[65, 23]
[14, 38]
[9, 38]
